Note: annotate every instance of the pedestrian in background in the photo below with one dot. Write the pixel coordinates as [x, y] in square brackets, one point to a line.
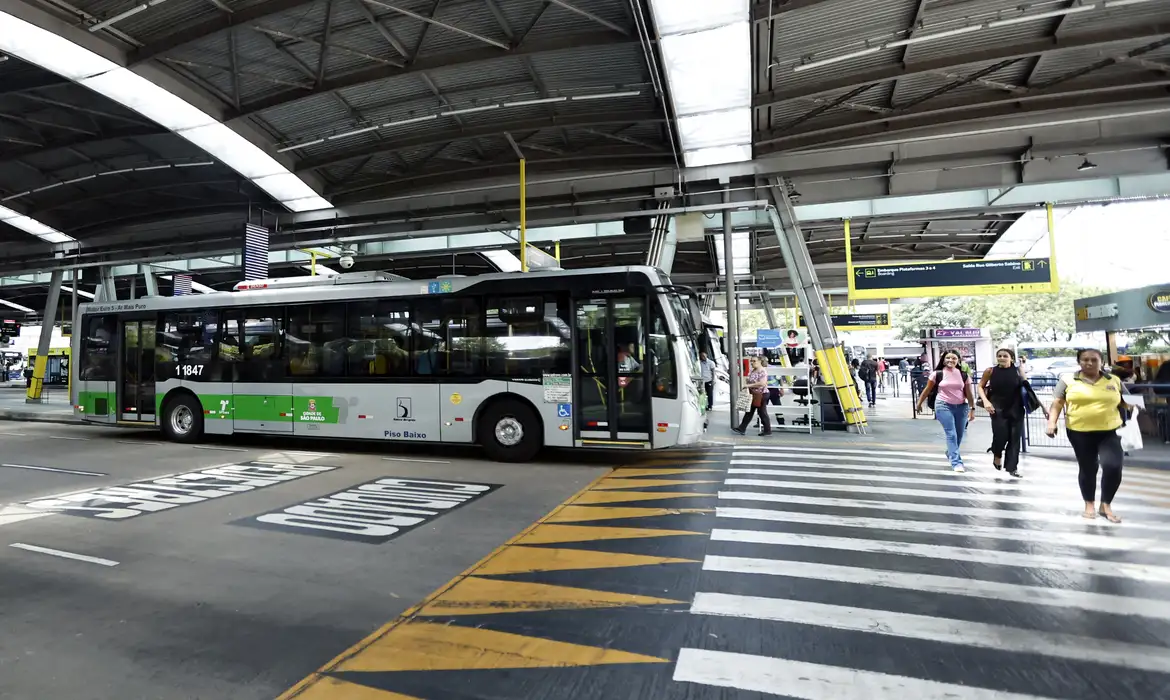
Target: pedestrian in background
[868, 373]
[757, 385]
[707, 374]
[1001, 389]
[949, 389]
[904, 369]
[1093, 402]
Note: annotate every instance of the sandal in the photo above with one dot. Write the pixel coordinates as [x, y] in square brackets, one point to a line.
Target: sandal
[1089, 515]
[1109, 516]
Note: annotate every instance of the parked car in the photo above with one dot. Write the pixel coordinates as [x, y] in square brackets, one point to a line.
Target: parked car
[1044, 372]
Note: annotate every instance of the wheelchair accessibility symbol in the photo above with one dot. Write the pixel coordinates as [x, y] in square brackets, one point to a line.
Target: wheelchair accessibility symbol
[564, 410]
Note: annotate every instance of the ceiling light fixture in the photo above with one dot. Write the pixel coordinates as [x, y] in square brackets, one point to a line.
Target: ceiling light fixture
[59, 55]
[706, 51]
[1086, 165]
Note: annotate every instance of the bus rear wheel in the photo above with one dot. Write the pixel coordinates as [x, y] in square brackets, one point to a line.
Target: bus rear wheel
[182, 419]
[510, 431]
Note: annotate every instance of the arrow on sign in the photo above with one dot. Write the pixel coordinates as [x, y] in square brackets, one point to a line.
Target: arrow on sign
[1042, 263]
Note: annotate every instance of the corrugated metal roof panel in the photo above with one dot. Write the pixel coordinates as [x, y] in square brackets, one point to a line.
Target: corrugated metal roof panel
[613, 65]
[504, 69]
[838, 27]
[783, 78]
[959, 46]
[1057, 64]
[473, 18]
[1112, 18]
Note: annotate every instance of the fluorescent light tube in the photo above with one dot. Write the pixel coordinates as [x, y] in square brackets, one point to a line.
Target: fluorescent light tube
[1041, 15]
[837, 59]
[18, 307]
[933, 37]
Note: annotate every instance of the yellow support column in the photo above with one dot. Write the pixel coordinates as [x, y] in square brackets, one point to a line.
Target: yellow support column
[1052, 249]
[523, 218]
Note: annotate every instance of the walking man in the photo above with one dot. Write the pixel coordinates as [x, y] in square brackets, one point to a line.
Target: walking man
[707, 373]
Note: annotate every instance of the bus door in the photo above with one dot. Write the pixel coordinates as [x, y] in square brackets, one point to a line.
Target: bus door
[262, 400]
[136, 369]
[612, 391]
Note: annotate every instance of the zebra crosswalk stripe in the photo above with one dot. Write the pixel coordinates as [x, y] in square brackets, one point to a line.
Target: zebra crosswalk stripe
[798, 679]
[1140, 572]
[919, 493]
[1057, 515]
[948, 585]
[936, 629]
[1074, 539]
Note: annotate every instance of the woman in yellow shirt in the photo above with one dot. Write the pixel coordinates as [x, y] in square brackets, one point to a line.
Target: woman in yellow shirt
[1093, 401]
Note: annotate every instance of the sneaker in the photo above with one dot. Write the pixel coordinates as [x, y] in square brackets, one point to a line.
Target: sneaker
[959, 468]
[737, 431]
[1016, 474]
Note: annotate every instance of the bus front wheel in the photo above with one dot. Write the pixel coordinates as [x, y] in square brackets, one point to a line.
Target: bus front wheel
[182, 419]
[510, 431]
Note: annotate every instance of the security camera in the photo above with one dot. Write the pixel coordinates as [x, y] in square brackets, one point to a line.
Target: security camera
[346, 259]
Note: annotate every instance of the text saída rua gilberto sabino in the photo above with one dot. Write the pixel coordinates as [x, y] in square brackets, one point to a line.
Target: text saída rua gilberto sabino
[165, 493]
[374, 512]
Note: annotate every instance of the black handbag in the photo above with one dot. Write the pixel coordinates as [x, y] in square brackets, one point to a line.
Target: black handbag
[1029, 398]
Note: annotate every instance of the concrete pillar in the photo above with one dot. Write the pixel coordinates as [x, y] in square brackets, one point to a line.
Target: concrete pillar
[769, 312]
[36, 388]
[151, 282]
[807, 286]
[735, 370]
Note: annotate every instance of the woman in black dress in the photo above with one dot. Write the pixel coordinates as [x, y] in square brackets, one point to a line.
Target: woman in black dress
[1000, 388]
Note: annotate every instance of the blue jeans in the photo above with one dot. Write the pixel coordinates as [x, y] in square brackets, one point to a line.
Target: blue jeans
[953, 417]
[871, 391]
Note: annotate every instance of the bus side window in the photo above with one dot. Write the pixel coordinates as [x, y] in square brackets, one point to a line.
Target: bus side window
[97, 362]
[379, 338]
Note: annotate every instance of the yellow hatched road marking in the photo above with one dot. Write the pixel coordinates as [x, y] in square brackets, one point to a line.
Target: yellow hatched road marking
[619, 483]
[598, 497]
[481, 596]
[334, 689]
[523, 560]
[427, 646]
[626, 473]
[581, 514]
[556, 534]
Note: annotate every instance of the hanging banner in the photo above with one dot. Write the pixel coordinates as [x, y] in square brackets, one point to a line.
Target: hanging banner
[182, 285]
[858, 322]
[958, 278]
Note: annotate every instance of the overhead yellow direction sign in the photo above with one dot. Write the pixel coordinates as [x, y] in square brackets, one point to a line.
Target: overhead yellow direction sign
[958, 278]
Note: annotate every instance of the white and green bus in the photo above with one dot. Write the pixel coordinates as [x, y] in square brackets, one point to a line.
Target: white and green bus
[605, 357]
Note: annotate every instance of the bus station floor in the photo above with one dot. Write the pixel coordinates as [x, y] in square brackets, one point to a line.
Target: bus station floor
[826, 567]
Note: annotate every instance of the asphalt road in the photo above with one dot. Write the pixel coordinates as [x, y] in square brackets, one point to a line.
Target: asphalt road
[177, 589]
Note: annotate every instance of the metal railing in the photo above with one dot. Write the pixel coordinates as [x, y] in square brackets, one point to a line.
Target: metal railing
[1157, 411]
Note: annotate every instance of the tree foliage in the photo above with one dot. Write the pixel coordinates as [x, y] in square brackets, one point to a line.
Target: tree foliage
[1026, 318]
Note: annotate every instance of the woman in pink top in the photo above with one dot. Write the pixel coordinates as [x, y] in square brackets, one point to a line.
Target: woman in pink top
[954, 403]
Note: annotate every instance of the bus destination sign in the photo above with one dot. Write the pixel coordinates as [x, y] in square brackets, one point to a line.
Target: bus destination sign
[958, 278]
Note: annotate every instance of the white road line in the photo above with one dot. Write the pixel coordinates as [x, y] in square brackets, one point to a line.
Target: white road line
[806, 681]
[10, 515]
[919, 456]
[950, 585]
[1072, 539]
[137, 442]
[924, 493]
[774, 458]
[1066, 516]
[52, 469]
[944, 473]
[407, 459]
[961, 483]
[65, 437]
[1078, 565]
[5, 432]
[216, 447]
[64, 555]
[936, 629]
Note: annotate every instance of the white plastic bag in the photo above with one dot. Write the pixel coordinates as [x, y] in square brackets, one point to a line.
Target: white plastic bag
[743, 402]
[1130, 433]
